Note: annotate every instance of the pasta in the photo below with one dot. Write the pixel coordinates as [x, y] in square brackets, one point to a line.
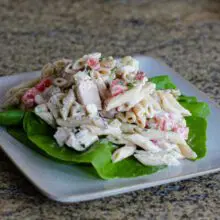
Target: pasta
[130, 117]
[79, 64]
[117, 139]
[121, 116]
[123, 152]
[73, 123]
[159, 158]
[170, 104]
[124, 98]
[140, 113]
[67, 103]
[60, 82]
[104, 71]
[130, 128]
[147, 89]
[173, 138]
[108, 62]
[142, 142]
[99, 131]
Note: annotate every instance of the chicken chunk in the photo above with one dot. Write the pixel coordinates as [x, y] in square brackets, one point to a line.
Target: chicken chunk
[88, 93]
[86, 138]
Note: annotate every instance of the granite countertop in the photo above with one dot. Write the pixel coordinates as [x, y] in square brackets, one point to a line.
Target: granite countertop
[185, 34]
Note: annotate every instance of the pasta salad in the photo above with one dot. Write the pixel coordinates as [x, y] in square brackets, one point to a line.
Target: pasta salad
[96, 98]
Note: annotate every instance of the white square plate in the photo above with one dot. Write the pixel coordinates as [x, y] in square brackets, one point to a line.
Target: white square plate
[67, 183]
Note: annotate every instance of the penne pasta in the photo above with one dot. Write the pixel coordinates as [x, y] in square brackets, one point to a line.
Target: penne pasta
[124, 98]
[170, 104]
[123, 152]
[110, 130]
[142, 142]
[105, 71]
[173, 138]
[157, 159]
[140, 113]
[130, 128]
[130, 117]
[72, 123]
[121, 116]
[147, 89]
[67, 103]
[117, 139]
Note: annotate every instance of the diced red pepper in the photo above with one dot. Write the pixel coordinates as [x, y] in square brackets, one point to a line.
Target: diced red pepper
[163, 125]
[147, 125]
[93, 63]
[140, 75]
[28, 97]
[167, 122]
[117, 91]
[43, 84]
[117, 87]
[116, 82]
[154, 141]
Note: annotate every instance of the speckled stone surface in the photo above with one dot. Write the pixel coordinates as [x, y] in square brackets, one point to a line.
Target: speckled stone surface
[185, 34]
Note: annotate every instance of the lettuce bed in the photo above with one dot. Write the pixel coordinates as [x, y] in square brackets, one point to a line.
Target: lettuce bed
[36, 134]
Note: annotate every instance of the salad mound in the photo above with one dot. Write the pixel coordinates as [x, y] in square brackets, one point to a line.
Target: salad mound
[106, 113]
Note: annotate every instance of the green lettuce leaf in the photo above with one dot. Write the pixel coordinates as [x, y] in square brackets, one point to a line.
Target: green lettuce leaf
[188, 99]
[32, 124]
[21, 136]
[197, 109]
[11, 117]
[197, 135]
[162, 82]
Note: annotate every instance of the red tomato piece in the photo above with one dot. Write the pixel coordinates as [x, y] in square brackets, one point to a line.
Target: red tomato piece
[93, 63]
[140, 75]
[28, 97]
[117, 87]
[43, 84]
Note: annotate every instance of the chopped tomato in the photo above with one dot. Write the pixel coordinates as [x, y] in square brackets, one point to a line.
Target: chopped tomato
[28, 99]
[43, 84]
[117, 87]
[147, 125]
[93, 63]
[117, 82]
[140, 75]
[154, 141]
